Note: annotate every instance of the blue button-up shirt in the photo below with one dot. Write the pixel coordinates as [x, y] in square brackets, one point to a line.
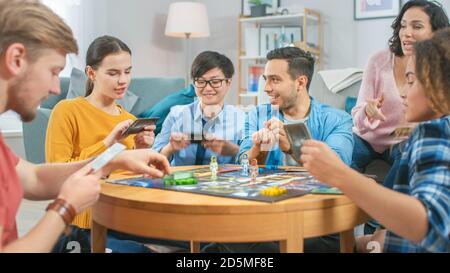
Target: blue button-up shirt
[327, 124]
[227, 125]
[424, 173]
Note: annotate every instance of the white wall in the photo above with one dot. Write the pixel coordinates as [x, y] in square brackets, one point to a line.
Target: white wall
[141, 23]
[11, 129]
[349, 42]
[223, 24]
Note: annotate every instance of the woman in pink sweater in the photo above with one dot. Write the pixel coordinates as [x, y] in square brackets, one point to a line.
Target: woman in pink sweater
[379, 110]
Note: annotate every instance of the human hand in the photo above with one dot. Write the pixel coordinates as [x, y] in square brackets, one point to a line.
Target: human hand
[277, 127]
[116, 133]
[142, 161]
[178, 141]
[145, 138]
[322, 162]
[220, 146]
[264, 139]
[82, 188]
[373, 108]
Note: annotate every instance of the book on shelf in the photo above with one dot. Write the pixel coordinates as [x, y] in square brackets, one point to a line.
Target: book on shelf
[254, 73]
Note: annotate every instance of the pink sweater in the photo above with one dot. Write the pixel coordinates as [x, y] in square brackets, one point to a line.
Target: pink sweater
[379, 76]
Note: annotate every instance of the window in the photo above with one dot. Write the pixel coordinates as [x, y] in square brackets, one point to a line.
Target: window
[71, 12]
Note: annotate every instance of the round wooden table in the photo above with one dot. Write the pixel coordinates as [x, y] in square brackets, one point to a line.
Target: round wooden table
[199, 218]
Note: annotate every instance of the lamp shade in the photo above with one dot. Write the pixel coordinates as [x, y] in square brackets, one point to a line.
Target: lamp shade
[187, 19]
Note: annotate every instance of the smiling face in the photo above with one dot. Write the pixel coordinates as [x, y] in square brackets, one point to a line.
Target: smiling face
[415, 26]
[279, 86]
[417, 104]
[35, 82]
[113, 75]
[212, 96]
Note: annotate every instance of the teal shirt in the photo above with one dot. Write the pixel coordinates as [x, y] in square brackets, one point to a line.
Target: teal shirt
[162, 108]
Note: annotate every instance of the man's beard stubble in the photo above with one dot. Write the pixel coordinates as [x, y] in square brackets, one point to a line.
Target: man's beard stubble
[18, 103]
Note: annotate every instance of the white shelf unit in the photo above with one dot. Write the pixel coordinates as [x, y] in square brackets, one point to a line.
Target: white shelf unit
[309, 23]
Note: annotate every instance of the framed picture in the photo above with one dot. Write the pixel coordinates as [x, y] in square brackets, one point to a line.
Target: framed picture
[274, 4]
[293, 34]
[276, 37]
[372, 9]
[269, 39]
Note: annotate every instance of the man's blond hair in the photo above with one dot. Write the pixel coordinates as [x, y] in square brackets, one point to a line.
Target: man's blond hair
[34, 25]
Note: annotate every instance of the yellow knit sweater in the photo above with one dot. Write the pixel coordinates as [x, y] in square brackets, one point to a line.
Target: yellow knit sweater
[76, 131]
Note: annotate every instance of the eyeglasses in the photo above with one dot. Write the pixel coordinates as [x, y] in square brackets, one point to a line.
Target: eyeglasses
[214, 83]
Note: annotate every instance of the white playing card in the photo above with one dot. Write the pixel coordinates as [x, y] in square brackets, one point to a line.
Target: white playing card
[107, 156]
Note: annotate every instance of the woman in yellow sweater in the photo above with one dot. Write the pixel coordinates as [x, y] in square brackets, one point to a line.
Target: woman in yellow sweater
[84, 127]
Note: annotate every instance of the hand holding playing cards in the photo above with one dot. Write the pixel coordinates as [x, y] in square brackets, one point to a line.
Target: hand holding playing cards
[277, 127]
[264, 139]
[145, 138]
[142, 161]
[116, 133]
[82, 188]
[220, 146]
[322, 162]
[178, 141]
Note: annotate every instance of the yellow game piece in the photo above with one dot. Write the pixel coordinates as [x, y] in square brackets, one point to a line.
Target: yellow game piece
[273, 191]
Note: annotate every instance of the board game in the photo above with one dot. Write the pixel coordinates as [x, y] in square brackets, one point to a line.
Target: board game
[271, 185]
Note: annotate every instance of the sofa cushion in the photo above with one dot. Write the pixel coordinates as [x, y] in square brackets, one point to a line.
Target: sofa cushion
[350, 102]
[152, 90]
[34, 136]
[77, 84]
[51, 101]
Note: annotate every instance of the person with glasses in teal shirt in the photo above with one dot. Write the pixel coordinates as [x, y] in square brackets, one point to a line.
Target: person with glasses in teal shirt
[192, 133]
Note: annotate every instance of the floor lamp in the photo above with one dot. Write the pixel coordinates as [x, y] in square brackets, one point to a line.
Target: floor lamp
[187, 20]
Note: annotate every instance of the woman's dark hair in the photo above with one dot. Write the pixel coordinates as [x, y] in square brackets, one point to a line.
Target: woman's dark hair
[208, 60]
[100, 48]
[434, 10]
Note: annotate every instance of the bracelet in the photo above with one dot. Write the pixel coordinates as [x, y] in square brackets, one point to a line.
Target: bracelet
[64, 209]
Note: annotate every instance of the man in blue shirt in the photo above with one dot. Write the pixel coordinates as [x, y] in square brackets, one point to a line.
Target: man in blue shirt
[162, 108]
[288, 74]
[192, 133]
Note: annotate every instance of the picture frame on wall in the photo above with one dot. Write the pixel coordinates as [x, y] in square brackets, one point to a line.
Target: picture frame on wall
[245, 7]
[374, 9]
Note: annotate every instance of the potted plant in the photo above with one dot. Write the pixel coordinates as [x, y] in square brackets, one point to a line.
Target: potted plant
[258, 8]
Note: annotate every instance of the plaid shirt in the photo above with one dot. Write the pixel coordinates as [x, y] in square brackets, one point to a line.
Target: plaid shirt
[424, 172]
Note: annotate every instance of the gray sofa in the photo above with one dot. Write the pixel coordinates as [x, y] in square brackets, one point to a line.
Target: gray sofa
[149, 90]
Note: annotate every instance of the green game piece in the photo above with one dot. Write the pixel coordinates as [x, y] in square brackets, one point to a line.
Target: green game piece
[182, 175]
[180, 178]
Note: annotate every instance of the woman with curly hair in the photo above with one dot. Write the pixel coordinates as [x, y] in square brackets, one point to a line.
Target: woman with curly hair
[416, 213]
[379, 111]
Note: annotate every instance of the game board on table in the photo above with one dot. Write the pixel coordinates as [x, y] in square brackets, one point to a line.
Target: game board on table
[271, 185]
